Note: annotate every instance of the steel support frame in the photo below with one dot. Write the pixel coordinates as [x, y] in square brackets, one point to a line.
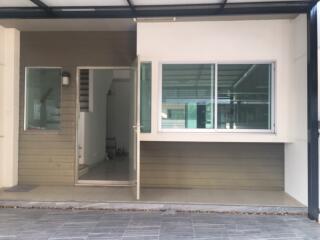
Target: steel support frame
[313, 131]
[136, 11]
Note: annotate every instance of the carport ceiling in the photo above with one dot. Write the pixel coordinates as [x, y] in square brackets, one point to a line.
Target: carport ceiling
[145, 8]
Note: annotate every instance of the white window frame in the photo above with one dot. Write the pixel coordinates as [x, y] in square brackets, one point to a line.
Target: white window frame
[272, 129]
[25, 124]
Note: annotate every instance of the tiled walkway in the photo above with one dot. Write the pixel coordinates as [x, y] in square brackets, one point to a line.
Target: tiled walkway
[36, 224]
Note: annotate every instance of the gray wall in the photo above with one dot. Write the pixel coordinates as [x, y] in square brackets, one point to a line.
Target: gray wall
[49, 157]
[248, 166]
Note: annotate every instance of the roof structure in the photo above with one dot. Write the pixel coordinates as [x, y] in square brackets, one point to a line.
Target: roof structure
[145, 8]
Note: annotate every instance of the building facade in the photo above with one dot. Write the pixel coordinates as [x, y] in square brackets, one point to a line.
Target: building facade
[177, 102]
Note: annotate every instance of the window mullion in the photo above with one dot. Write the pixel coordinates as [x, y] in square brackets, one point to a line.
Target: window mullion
[216, 97]
[211, 97]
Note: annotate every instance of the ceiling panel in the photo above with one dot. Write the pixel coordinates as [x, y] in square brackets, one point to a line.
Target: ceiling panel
[16, 3]
[173, 2]
[261, 1]
[75, 3]
[179, 2]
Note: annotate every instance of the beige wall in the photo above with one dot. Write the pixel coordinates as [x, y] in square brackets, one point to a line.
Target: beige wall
[48, 157]
[9, 105]
[220, 41]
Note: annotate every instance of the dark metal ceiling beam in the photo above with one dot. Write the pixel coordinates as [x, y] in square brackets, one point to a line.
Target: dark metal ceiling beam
[43, 6]
[130, 4]
[223, 5]
[289, 7]
[313, 127]
[131, 7]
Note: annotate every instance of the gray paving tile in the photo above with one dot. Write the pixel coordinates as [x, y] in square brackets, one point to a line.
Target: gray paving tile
[42, 224]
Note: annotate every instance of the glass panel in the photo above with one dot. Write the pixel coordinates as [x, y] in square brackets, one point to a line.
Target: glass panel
[244, 96]
[145, 97]
[187, 96]
[43, 98]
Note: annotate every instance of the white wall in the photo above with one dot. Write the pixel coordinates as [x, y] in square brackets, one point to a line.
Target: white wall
[220, 41]
[296, 152]
[9, 105]
[95, 121]
[118, 112]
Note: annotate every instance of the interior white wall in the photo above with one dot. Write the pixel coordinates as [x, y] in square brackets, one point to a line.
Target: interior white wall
[219, 41]
[296, 152]
[94, 124]
[118, 112]
[9, 105]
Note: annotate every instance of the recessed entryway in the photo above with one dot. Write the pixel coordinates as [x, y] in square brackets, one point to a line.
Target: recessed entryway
[105, 119]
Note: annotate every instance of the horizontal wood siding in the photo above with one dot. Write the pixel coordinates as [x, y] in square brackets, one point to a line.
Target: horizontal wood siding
[48, 157]
[252, 166]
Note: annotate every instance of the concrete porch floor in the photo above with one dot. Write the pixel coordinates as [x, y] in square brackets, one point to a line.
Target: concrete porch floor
[151, 198]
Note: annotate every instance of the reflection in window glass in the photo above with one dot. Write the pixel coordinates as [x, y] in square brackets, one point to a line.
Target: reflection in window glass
[43, 98]
[187, 96]
[145, 97]
[244, 96]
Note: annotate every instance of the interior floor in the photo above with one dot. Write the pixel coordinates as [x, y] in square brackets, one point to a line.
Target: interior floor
[156, 195]
[116, 169]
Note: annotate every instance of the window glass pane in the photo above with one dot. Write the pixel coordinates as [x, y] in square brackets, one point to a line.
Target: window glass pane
[43, 98]
[244, 96]
[187, 96]
[145, 97]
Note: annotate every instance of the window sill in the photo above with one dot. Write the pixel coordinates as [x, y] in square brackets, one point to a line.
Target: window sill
[267, 136]
[258, 131]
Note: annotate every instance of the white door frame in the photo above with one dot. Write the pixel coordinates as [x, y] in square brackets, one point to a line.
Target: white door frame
[78, 182]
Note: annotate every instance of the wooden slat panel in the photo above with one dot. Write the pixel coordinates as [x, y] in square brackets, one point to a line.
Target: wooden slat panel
[251, 166]
[47, 180]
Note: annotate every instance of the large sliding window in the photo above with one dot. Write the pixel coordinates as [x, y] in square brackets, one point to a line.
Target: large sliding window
[217, 96]
[42, 99]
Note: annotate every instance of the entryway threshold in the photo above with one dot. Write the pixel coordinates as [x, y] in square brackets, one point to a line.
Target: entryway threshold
[155, 206]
